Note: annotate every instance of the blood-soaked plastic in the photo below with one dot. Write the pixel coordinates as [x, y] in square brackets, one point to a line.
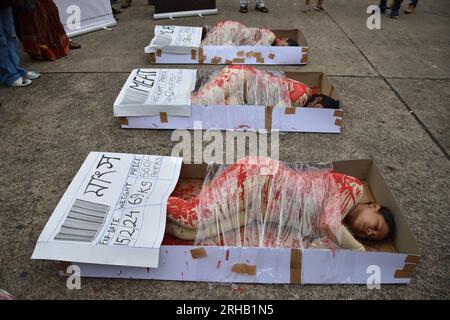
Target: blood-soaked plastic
[233, 33]
[260, 202]
[246, 85]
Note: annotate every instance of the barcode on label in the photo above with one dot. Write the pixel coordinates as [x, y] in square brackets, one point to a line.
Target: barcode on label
[162, 40]
[84, 221]
[134, 97]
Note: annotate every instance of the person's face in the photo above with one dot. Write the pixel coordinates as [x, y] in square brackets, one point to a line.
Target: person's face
[367, 223]
[281, 41]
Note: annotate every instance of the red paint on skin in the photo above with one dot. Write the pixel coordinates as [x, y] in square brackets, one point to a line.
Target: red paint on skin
[236, 177]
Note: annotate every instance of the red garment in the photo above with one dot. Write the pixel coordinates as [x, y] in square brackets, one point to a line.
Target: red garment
[41, 31]
[272, 201]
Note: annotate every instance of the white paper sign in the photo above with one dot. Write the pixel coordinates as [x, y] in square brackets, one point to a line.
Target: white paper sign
[83, 16]
[175, 39]
[114, 211]
[147, 92]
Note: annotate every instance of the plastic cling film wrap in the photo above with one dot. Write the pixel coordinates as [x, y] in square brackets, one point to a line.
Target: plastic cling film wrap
[236, 34]
[245, 85]
[259, 202]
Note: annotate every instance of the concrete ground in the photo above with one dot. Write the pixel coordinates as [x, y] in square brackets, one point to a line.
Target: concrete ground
[395, 83]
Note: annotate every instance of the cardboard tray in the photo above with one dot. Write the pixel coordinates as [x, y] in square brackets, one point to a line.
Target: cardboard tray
[270, 55]
[235, 117]
[284, 265]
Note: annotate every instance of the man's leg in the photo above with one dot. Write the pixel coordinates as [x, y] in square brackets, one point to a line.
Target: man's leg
[243, 6]
[412, 6]
[261, 6]
[9, 53]
[395, 11]
[383, 6]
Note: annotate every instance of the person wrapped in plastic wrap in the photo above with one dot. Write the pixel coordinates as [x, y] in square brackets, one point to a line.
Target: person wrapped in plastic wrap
[260, 202]
[233, 33]
[246, 85]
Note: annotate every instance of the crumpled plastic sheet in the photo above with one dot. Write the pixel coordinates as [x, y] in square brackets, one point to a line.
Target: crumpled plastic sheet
[233, 33]
[246, 85]
[260, 202]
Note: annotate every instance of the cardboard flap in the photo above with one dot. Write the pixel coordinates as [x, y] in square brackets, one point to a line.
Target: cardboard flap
[113, 212]
[175, 39]
[150, 92]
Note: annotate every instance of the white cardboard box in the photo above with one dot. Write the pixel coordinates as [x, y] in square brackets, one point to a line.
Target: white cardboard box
[283, 265]
[195, 53]
[141, 113]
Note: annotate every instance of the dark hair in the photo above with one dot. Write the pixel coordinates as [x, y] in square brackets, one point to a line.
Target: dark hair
[292, 43]
[326, 101]
[389, 218]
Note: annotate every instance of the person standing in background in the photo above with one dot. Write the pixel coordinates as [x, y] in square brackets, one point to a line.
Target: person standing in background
[412, 7]
[318, 7]
[126, 4]
[395, 9]
[11, 74]
[260, 6]
[42, 34]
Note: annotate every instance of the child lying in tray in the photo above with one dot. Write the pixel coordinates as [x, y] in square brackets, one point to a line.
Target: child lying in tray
[233, 33]
[246, 85]
[248, 204]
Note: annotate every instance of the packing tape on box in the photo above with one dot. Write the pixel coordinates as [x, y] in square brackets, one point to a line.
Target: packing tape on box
[249, 54]
[151, 58]
[412, 259]
[257, 55]
[243, 268]
[163, 117]
[198, 253]
[304, 59]
[338, 113]
[228, 61]
[268, 118]
[296, 266]
[240, 54]
[239, 60]
[260, 60]
[289, 110]
[158, 52]
[193, 54]
[200, 55]
[403, 274]
[411, 262]
[216, 60]
[123, 121]
[338, 122]
[272, 56]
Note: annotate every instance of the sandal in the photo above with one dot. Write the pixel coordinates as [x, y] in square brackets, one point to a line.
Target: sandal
[243, 9]
[262, 9]
[74, 45]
